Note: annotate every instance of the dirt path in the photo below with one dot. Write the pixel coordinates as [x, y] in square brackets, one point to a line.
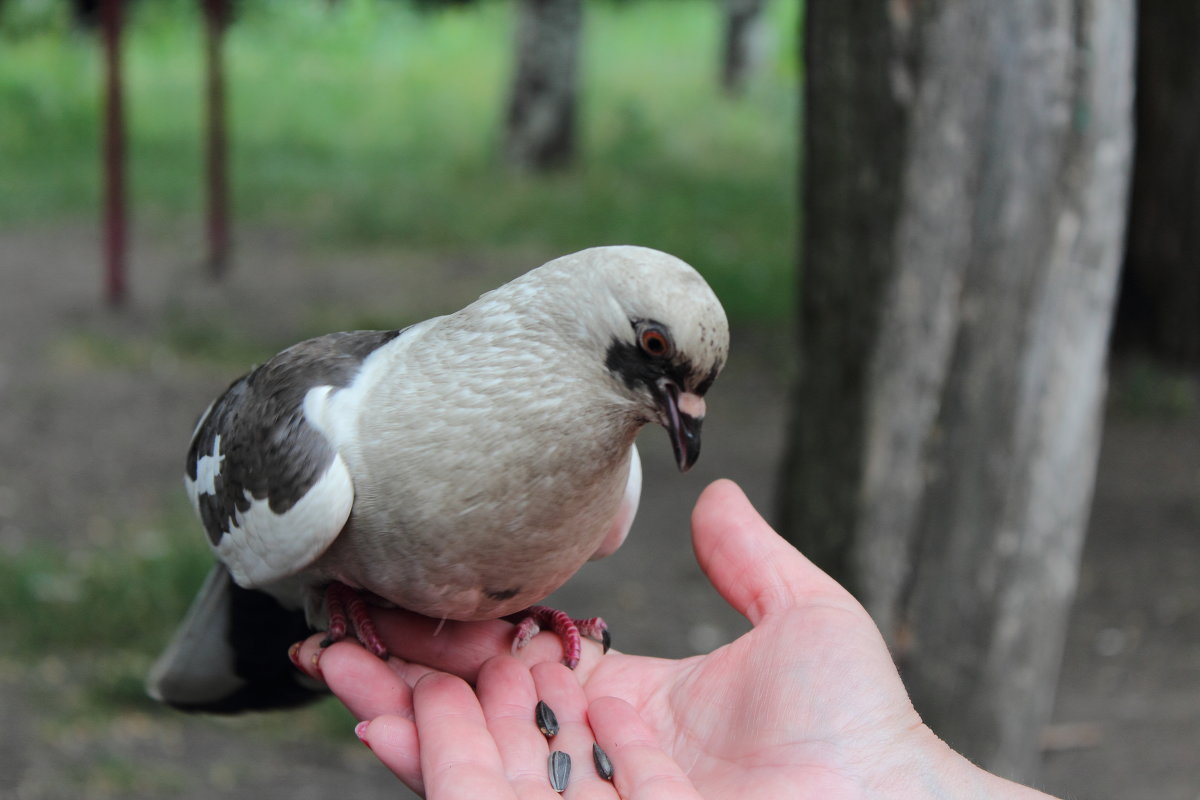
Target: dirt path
[96, 409]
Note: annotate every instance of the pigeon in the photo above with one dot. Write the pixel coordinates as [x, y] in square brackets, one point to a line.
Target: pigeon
[462, 468]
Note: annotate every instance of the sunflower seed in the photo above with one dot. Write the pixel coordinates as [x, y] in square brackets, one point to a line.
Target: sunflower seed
[560, 770]
[603, 765]
[546, 721]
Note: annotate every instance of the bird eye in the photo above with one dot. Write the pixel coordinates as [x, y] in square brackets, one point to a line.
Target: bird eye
[654, 340]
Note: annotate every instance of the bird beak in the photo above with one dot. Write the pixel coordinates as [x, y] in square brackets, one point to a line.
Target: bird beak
[684, 413]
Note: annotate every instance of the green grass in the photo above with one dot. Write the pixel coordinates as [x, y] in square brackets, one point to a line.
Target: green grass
[124, 596]
[89, 621]
[183, 339]
[373, 123]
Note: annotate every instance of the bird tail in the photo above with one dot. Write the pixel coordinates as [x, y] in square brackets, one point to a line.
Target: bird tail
[230, 653]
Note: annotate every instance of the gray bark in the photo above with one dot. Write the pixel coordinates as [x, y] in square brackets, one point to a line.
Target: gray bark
[541, 111]
[966, 174]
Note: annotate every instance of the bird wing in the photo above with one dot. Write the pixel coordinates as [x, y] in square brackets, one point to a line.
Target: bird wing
[627, 510]
[270, 488]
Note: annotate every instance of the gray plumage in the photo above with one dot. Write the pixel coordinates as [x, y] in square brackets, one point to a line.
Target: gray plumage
[273, 452]
[468, 466]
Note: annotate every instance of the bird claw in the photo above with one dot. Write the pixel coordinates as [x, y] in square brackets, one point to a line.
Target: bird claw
[348, 612]
[532, 621]
[595, 629]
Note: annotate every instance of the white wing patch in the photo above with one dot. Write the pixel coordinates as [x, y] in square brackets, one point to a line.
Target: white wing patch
[262, 547]
[627, 511]
[208, 467]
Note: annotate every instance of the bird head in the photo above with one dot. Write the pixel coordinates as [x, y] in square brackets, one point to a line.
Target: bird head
[661, 332]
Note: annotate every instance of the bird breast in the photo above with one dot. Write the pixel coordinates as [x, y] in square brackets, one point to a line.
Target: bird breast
[490, 544]
[473, 499]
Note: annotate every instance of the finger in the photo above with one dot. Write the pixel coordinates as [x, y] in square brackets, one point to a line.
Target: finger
[367, 685]
[394, 742]
[638, 761]
[507, 695]
[459, 758]
[754, 569]
[307, 656]
[558, 688]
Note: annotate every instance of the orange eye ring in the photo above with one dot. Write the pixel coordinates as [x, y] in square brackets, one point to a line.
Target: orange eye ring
[655, 341]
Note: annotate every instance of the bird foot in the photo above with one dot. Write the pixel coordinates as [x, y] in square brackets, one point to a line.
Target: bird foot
[348, 612]
[535, 618]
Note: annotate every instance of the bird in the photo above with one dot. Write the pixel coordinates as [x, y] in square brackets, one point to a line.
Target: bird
[462, 468]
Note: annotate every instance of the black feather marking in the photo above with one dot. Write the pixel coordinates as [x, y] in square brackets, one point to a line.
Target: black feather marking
[501, 594]
[269, 450]
[703, 386]
[636, 367]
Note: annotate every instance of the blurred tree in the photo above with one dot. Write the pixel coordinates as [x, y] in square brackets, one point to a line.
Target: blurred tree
[217, 14]
[541, 110]
[438, 5]
[742, 42]
[965, 176]
[1159, 307]
[86, 13]
[111, 19]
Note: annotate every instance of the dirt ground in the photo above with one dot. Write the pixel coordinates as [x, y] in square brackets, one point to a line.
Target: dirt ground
[86, 447]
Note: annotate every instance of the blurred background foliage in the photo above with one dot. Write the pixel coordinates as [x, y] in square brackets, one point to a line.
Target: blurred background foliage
[358, 124]
[379, 121]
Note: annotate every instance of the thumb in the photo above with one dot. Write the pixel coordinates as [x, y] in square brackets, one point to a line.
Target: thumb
[753, 567]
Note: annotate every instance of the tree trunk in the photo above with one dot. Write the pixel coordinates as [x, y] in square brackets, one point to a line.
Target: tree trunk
[113, 154]
[741, 43]
[216, 20]
[541, 109]
[1159, 308]
[966, 166]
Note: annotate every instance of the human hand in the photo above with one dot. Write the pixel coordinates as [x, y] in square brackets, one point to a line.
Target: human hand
[807, 704]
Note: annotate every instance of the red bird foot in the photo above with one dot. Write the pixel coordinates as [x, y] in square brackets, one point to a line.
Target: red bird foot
[535, 618]
[348, 613]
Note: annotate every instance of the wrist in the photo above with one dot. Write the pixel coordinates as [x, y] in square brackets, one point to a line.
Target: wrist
[932, 769]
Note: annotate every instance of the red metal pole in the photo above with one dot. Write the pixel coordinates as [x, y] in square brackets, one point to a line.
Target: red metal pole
[215, 21]
[113, 156]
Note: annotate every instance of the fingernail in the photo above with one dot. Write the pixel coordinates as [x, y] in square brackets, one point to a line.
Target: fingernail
[603, 765]
[547, 722]
[360, 730]
[316, 661]
[294, 655]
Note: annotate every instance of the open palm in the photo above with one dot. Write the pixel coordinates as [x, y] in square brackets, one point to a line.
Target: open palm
[807, 704]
